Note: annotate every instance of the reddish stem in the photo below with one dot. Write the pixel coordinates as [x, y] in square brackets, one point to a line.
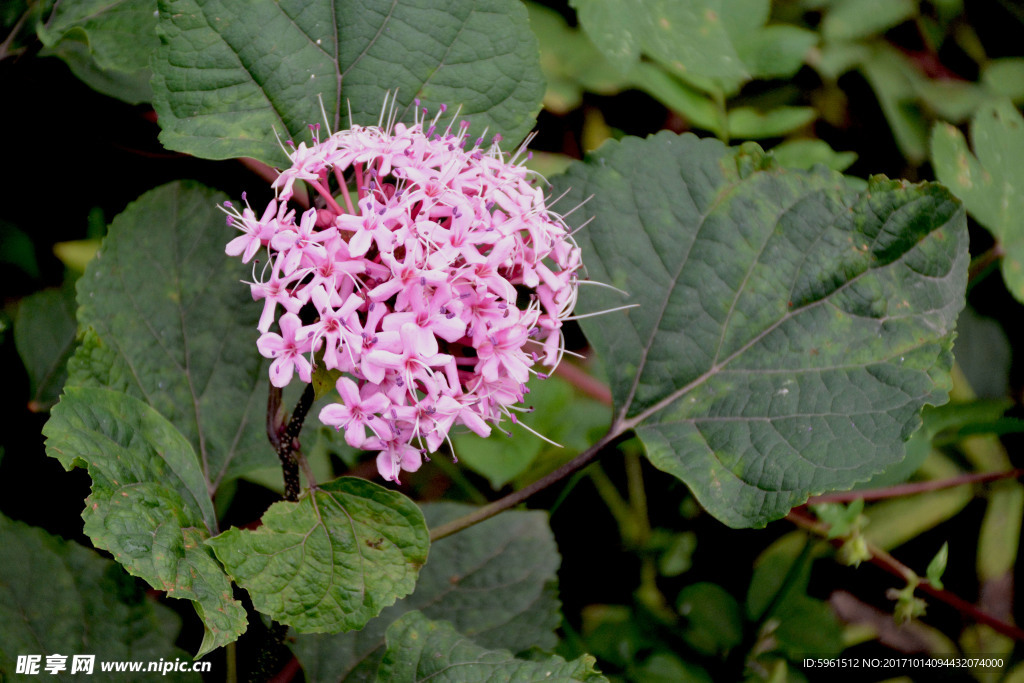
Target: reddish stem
[327, 196]
[585, 383]
[885, 561]
[915, 487]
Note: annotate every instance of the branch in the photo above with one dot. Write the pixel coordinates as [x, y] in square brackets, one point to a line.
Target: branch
[915, 487]
[284, 437]
[517, 497]
[885, 561]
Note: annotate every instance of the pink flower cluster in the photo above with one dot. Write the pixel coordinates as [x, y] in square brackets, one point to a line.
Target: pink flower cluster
[434, 284]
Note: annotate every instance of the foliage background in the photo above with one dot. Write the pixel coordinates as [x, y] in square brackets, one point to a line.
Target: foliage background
[649, 583]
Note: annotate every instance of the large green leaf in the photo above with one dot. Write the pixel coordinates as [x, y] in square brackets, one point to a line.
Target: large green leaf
[44, 333]
[789, 328]
[167, 321]
[231, 72]
[990, 181]
[149, 504]
[331, 561]
[420, 650]
[106, 44]
[58, 597]
[494, 581]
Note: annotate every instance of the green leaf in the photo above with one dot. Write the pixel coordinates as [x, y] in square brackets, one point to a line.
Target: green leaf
[789, 328]
[494, 581]
[107, 44]
[44, 333]
[167, 321]
[420, 649]
[895, 81]
[751, 124]
[570, 62]
[17, 249]
[1005, 77]
[778, 594]
[776, 51]
[149, 504]
[687, 37]
[714, 623]
[58, 597]
[696, 107]
[841, 519]
[231, 72]
[804, 154]
[663, 667]
[983, 352]
[990, 181]
[76, 254]
[856, 19]
[616, 27]
[951, 100]
[331, 561]
[937, 567]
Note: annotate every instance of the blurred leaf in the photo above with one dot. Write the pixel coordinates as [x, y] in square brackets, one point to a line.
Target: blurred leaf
[494, 581]
[44, 334]
[558, 414]
[951, 100]
[58, 597]
[419, 650]
[778, 592]
[548, 164]
[804, 154]
[894, 79]
[855, 19]
[697, 108]
[835, 59]
[731, 371]
[149, 504]
[663, 667]
[895, 521]
[106, 44]
[570, 62]
[616, 27]
[166, 320]
[750, 124]
[677, 556]
[999, 536]
[713, 621]
[841, 519]
[689, 38]
[229, 73]
[76, 254]
[331, 561]
[776, 51]
[16, 249]
[937, 567]
[990, 184]
[983, 353]
[1005, 77]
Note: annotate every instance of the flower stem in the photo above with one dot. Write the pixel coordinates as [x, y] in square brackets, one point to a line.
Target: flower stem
[517, 497]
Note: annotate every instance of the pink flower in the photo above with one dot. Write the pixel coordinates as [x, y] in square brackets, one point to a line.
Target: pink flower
[354, 413]
[287, 350]
[411, 272]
